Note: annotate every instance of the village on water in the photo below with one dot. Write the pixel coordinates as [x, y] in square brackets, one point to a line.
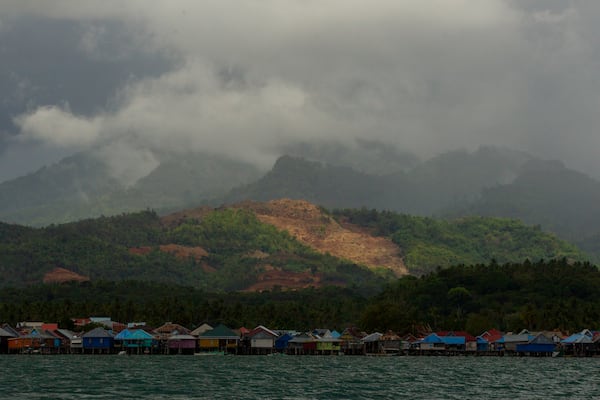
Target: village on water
[101, 335]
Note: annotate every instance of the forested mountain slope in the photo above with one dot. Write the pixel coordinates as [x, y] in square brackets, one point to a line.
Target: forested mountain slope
[260, 246]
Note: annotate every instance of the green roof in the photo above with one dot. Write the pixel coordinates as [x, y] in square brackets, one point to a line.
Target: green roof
[220, 332]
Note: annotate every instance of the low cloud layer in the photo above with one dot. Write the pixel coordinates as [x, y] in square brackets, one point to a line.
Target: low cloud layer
[245, 78]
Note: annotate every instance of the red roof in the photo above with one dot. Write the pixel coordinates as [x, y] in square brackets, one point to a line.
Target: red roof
[81, 321]
[243, 330]
[492, 335]
[259, 329]
[118, 327]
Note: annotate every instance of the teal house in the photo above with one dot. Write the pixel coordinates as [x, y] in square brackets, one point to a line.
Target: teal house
[135, 341]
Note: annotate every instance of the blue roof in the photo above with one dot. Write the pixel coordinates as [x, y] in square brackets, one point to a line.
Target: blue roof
[453, 340]
[282, 341]
[335, 334]
[536, 347]
[449, 340]
[124, 334]
[432, 338]
[140, 334]
[577, 338]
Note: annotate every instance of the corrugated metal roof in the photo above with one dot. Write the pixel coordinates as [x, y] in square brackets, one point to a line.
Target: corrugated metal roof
[182, 337]
[35, 334]
[171, 328]
[98, 333]
[454, 340]
[220, 332]
[201, 329]
[4, 333]
[577, 338]
[431, 338]
[262, 328]
[11, 330]
[66, 333]
[515, 338]
[303, 338]
[373, 337]
[124, 334]
[140, 334]
[540, 338]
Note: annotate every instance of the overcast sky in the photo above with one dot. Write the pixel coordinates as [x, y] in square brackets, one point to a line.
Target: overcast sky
[243, 77]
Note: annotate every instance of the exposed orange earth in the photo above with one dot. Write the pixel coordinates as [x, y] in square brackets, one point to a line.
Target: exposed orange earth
[181, 252]
[62, 275]
[311, 226]
[286, 280]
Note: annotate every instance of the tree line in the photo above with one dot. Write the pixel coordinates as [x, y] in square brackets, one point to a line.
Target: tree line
[554, 294]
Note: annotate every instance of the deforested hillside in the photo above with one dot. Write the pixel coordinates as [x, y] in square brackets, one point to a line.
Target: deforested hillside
[281, 244]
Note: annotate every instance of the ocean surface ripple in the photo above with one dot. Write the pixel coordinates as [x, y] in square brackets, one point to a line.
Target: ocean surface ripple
[296, 377]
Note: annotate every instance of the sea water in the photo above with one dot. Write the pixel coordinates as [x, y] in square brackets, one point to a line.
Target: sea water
[296, 377]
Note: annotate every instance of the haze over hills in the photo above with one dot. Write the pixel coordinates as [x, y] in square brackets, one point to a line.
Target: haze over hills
[85, 186]
[548, 194]
[491, 181]
[428, 188]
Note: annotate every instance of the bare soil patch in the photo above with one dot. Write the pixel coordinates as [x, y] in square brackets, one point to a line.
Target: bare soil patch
[308, 224]
[181, 252]
[286, 280]
[62, 275]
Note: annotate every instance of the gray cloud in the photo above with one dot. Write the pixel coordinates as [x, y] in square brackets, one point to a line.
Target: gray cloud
[245, 78]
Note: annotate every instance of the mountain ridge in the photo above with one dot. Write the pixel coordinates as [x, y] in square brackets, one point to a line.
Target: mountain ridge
[490, 181]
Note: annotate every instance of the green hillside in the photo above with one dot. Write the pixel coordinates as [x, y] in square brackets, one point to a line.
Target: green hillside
[561, 200]
[235, 250]
[428, 243]
[230, 249]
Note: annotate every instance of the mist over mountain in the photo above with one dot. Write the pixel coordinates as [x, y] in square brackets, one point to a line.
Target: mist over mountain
[368, 156]
[251, 80]
[547, 193]
[490, 181]
[427, 188]
[84, 186]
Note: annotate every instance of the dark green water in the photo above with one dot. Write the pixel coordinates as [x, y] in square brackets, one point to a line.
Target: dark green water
[256, 377]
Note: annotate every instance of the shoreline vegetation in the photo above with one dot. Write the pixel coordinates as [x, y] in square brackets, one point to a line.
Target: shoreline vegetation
[544, 295]
[541, 307]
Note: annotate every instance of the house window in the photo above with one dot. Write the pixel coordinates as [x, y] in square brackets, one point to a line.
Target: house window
[101, 340]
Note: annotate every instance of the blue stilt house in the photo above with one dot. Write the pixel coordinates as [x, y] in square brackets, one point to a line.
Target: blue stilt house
[482, 344]
[540, 345]
[98, 340]
[281, 344]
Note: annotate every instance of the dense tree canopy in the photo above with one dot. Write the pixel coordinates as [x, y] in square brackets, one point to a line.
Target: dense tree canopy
[540, 295]
[428, 243]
